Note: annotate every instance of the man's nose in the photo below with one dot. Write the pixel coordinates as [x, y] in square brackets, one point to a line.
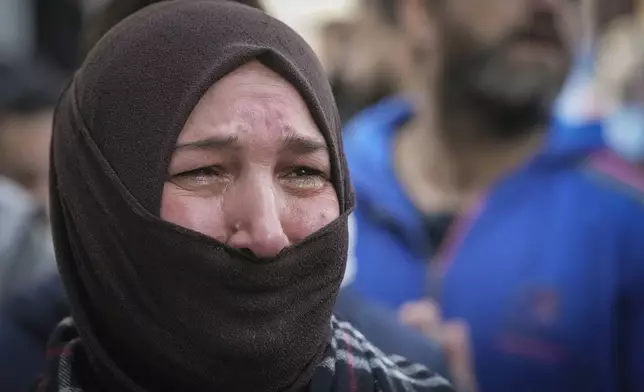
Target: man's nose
[544, 5]
[256, 223]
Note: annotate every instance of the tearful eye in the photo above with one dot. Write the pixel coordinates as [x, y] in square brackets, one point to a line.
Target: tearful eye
[203, 176]
[201, 173]
[204, 171]
[305, 178]
[304, 171]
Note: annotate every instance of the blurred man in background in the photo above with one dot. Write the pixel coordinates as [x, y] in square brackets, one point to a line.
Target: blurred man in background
[365, 58]
[47, 30]
[28, 93]
[468, 211]
[27, 97]
[58, 26]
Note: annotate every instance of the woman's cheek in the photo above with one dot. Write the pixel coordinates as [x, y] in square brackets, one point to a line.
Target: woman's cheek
[200, 214]
[305, 216]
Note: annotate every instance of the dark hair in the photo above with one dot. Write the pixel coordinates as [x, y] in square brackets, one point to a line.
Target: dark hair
[387, 9]
[117, 10]
[28, 88]
[608, 11]
[58, 31]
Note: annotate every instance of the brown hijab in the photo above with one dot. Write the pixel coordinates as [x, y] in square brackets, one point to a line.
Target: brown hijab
[156, 304]
[158, 307]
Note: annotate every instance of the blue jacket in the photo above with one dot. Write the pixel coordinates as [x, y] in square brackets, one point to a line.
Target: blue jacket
[26, 321]
[548, 270]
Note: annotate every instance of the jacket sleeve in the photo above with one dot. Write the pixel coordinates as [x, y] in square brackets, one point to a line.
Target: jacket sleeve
[26, 321]
[631, 322]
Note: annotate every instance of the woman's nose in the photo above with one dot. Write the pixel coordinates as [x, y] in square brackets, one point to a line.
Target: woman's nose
[256, 223]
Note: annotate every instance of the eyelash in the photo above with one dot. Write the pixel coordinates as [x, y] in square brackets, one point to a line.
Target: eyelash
[202, 171]
[307, 172]
[215, 171]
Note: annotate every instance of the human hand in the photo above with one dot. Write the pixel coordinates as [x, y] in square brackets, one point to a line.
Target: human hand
[454, 337]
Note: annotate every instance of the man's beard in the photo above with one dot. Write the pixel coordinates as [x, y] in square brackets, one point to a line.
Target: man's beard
[508, 99]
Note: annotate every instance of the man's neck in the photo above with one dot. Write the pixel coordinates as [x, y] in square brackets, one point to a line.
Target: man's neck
[445, 169]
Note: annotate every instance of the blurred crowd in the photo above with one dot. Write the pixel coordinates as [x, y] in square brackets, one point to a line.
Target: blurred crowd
[496, 149]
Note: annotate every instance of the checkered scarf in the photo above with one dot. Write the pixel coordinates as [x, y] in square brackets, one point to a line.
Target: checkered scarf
[352, 364]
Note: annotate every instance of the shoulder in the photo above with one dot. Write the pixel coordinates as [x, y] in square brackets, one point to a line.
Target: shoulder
[389, 373]
[64, 351]
[611, 172]
[17, 211]
[622, 212]
[22, 249]
[614, 195]
[368, 132]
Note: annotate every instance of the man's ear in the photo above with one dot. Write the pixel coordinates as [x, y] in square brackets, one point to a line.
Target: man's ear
[419, 21]
[336, 36]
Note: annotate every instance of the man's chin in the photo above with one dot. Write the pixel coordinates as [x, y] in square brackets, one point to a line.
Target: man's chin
[521, 86]
[512, 113]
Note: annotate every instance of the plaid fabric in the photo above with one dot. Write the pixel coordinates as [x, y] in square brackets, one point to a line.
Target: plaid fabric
[352, 364]
[62, 355]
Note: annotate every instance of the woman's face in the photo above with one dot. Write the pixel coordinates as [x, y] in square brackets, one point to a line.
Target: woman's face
[250, 167]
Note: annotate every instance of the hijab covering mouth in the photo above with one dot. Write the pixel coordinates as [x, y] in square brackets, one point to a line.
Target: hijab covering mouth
[155, 304]
[158, 307]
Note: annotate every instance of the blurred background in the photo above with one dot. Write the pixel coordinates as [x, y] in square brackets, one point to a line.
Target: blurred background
[381, 60]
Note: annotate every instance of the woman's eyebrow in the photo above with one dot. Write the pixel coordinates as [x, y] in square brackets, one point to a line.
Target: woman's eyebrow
[303, 145]
[211, 143]
[292, 143]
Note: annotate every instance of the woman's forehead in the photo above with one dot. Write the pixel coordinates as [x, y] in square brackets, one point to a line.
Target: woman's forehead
[253, 77]
[253, 102]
